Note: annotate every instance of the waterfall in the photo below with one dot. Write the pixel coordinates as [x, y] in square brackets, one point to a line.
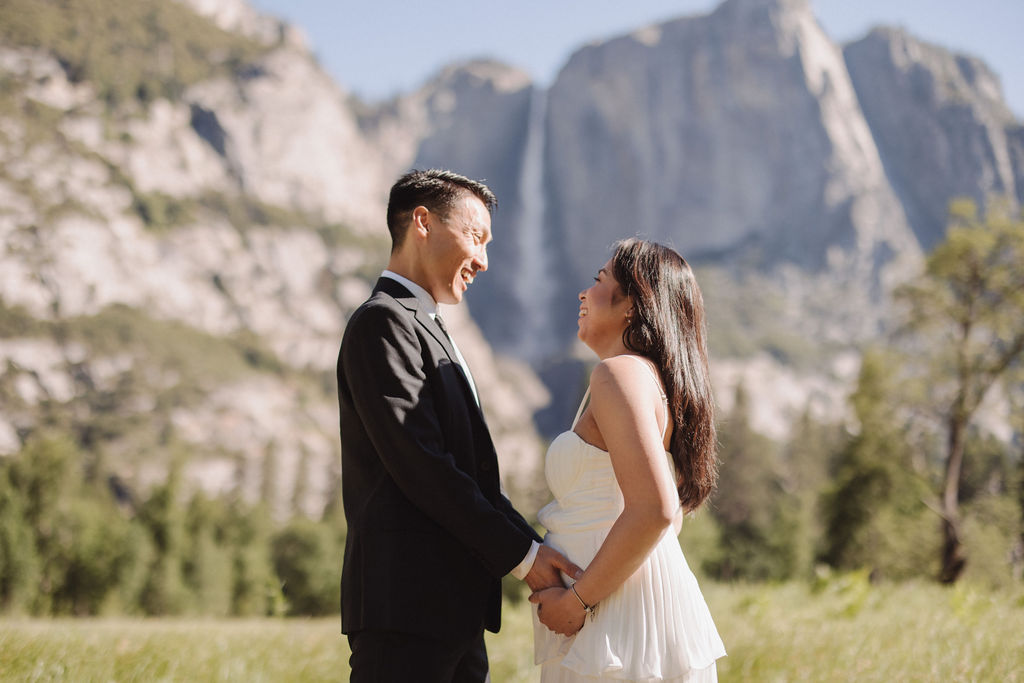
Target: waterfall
[535, 284]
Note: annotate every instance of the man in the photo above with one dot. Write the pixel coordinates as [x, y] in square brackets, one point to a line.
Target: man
[430, 533]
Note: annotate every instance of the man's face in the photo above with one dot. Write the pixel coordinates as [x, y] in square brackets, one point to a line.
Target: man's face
[456, 249]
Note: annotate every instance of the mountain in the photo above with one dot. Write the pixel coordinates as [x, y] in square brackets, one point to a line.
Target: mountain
[941, 123]
[190, 209]
[183, 242]
[803, 178]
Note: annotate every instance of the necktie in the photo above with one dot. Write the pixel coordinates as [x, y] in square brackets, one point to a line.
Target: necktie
[440, 323]
[458, 355]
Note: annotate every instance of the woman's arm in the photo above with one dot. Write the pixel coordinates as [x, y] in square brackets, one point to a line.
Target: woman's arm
[625, 406]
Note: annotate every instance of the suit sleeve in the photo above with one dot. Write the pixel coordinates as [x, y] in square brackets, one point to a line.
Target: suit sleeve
[383, 365]
[505, 505]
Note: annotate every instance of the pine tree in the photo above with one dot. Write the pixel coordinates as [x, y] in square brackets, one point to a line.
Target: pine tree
[208, 561]
[808, 458]
[19, 560]
[874, 514]
[756, 517]
[165, 592]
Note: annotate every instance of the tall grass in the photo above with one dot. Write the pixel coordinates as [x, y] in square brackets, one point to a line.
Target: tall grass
[855, 632]
[846, 631]
[151, 650]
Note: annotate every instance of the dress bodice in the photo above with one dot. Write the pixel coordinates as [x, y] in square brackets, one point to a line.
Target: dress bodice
[587, 495]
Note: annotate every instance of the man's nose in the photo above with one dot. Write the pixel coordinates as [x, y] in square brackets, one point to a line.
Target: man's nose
[481, 259]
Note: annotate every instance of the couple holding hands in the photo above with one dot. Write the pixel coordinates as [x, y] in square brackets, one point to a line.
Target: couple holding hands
[430, 533]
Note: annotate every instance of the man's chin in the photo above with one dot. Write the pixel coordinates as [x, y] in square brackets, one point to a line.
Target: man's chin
[451, 298]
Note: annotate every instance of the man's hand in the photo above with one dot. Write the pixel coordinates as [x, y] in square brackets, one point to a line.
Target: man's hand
[559, 611]
[546, 568]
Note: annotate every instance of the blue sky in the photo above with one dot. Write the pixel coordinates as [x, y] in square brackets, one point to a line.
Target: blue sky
[377, 48]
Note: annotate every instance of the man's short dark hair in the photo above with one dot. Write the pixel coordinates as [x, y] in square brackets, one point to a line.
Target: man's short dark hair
[437, 190]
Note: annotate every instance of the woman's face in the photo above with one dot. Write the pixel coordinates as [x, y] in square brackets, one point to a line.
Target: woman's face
[603, 308]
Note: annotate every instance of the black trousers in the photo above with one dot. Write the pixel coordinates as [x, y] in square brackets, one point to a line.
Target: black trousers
[391, 657]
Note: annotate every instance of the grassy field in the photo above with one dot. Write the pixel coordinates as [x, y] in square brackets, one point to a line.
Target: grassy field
[848, 631]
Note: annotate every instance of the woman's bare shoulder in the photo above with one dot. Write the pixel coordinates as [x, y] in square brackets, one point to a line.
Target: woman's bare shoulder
[617, 376]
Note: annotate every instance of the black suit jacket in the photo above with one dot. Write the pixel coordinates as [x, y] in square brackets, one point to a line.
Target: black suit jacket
[429, 532]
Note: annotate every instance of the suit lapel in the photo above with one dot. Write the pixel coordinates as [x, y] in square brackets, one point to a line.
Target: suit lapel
[412, 304]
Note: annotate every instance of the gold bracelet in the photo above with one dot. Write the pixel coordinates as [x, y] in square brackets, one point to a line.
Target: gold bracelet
[586, 608]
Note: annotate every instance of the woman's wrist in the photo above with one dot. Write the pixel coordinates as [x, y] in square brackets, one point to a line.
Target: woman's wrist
[583, 604]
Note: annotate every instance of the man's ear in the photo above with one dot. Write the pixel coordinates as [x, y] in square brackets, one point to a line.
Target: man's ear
[421, 221]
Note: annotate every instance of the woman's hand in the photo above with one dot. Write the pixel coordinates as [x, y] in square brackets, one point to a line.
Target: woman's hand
[546, 568]
[559, 610]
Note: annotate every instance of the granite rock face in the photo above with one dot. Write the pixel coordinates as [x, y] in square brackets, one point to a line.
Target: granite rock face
[247, 214]
[737, 133]
[941, 124]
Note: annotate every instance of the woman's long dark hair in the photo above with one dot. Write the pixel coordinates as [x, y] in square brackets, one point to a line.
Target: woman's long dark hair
[668, 327]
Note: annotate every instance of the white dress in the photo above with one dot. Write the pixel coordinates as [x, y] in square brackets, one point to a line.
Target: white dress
[656, 626]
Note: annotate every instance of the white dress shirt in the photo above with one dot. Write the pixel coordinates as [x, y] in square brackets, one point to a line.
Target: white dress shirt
[428, 305]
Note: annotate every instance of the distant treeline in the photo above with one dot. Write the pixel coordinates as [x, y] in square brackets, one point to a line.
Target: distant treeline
[74, 542]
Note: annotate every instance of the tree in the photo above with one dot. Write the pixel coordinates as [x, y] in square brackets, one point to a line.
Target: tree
[208, 562]
[46, 476]
[19, 561]
[873, 512]
[756, 518]
[165, 592]
[306, 555]
[971, 298]
[256, 591]
[300, 491]
[808, 455]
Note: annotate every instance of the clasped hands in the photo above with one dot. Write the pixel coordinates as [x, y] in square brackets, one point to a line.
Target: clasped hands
[557, 608]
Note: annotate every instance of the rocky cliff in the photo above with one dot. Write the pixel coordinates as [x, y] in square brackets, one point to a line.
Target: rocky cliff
[736, 136]
[179, 268]
[809, 176]
[941, 124]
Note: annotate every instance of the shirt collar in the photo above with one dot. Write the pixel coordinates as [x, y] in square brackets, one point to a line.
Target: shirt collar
[427, 303]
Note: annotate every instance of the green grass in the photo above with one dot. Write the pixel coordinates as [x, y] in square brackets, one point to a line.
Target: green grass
[907, 632]
[172, 650]
[846, 632]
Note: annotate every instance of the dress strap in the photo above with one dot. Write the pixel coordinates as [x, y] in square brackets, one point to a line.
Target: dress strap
[579, 411]
[657, 383]
[654, 376]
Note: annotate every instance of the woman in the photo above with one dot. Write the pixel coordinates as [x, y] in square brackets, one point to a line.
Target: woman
[636, 612]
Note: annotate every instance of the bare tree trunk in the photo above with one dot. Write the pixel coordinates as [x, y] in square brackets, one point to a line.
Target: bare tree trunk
[953, 557]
